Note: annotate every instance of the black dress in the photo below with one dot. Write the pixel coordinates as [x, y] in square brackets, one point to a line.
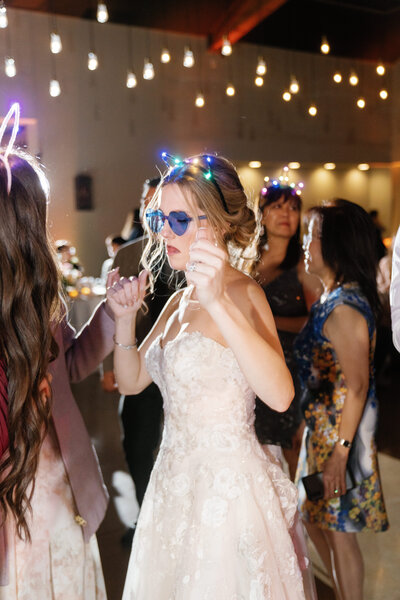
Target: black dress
[286, 299]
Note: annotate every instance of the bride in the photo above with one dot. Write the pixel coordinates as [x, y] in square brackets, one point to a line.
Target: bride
[216, 519]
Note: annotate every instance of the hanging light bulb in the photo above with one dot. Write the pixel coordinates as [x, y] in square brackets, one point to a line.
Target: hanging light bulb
[330, 166]
[287, 96]
[148, 69]
[102, 13]
[54, 88]
[226, 49]
[294, 86]
[93, 61]
[10, 68]
[259, 81]
[230, 90]
[131, 80]
[3, 15]
[165, 56]
[383, 94]
[261, 66]
[188, 58]
[325, 47]
[353, 79]
[55, 43]
[312, 110]
[337, 77]
[363, 167]
[380, 69]
[361, 103]
[200, 102]
[294, 165]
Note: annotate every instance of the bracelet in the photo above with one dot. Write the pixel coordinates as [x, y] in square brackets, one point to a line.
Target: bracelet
[123, 346]
[344, 443]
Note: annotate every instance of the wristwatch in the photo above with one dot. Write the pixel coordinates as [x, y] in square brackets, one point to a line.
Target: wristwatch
[344, 443]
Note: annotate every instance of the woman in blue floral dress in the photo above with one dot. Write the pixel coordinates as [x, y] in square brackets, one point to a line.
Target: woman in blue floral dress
[335, 356]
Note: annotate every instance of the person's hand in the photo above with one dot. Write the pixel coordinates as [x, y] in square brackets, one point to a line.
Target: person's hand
[108, 382]
[206, 267]
[113, 276]
[334, 473]
[126, 296]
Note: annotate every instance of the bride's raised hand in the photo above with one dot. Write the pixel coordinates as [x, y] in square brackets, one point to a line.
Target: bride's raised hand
[126, 296]
[206, 268]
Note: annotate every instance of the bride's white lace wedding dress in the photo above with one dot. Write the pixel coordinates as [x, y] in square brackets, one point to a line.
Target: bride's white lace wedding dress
[214, 522]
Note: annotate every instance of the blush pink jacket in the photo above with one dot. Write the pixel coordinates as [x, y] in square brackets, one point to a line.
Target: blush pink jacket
[79, 355]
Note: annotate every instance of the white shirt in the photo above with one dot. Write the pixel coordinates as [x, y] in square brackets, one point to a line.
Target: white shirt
[395, 292]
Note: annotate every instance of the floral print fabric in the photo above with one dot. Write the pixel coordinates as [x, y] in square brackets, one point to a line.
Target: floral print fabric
[216, 516]
[57, 564]
[323, 396]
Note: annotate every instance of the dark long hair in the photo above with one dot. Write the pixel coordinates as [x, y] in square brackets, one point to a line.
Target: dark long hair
[29, 306]
[271, 195]
[348, 246]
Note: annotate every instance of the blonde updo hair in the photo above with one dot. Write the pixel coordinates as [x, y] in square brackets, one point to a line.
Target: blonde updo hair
[237, 229]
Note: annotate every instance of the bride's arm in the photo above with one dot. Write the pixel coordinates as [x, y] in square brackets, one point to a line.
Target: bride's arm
[244, 318]
[129, 365]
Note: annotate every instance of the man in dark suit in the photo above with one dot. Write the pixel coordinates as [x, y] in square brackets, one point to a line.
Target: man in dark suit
[141, 414]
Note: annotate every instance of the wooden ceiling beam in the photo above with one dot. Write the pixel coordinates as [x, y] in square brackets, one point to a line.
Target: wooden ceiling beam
[242, 17]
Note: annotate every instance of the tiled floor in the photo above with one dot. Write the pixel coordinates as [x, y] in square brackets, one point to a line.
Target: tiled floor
[381, 551]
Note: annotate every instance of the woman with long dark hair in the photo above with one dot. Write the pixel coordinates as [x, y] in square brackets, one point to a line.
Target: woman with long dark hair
[335, 352]
[290, 292]
[52, 497]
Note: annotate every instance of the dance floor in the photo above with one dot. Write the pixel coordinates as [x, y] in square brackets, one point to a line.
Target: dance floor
[381, 551]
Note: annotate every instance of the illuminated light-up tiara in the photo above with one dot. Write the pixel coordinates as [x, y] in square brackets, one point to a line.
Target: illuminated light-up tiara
[14, 110]
[174, 162]
[283, 181]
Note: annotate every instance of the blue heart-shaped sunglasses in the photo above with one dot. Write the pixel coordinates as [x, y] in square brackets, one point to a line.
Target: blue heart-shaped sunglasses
[178, 220]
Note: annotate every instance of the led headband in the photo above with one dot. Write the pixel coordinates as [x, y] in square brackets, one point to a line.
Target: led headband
[176, 163]
[14, 110]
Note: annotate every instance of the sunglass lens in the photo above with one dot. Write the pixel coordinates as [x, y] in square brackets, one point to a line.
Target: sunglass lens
[178, 221]
[154, 220]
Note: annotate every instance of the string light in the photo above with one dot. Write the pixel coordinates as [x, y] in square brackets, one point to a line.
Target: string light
[226, 49]
[259, 81]
[3, 15]
[325, 48]
[287, 96]
[353, 79]
[188, 58]
[363, 167]
[380, 69]
[10, 67]
[361, 103]
[312, 110]
[93, 61]
[200, 102]
[329, 166]
[294, 86]
[131, 80]
[337, 77]
[230, 90]
[55, 43]
[148, 70]
[54, 88]
[261, 67]
[165, 56]
[254, 164]
[102, 13]
[383, 94]
[294, 165]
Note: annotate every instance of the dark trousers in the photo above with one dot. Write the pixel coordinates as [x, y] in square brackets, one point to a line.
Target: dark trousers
[141, 422]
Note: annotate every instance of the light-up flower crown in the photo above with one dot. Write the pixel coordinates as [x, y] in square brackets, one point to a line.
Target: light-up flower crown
[14, 110]
[282, 182]
[174, 163]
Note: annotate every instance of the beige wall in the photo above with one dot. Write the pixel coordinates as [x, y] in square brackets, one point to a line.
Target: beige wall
[100, 127]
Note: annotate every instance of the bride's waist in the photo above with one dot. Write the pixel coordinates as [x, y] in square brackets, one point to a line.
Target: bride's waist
[203, 437]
